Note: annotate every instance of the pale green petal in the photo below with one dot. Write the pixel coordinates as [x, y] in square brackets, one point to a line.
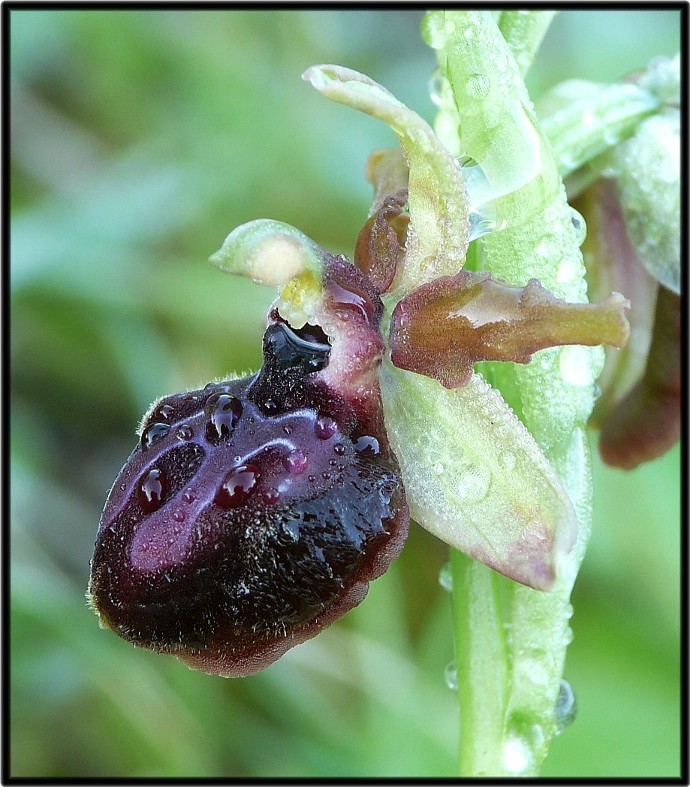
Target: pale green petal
[475, 477]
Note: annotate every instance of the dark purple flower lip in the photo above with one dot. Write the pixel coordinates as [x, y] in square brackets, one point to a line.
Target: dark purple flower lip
[253, 512]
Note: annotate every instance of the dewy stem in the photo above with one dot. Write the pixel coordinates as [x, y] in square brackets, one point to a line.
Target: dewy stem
[482, 667]
[508, 686]
[523, 31]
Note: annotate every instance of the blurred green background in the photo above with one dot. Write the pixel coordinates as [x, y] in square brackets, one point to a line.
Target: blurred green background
[139, 139]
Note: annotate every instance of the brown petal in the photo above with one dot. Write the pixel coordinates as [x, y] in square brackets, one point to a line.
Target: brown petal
[388, 173]
[382, 240]
[646, 423]
[442, 328]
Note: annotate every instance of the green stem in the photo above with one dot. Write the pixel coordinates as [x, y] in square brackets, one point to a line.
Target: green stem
[523, 32]
[482, 667]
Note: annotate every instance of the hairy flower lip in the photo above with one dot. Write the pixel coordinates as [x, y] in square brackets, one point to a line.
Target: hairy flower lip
[255, 511]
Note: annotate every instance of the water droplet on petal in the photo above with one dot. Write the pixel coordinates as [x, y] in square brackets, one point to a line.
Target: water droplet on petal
[436, 87]
[474, 482]
[153, 433]
[478, 85]
[165, 411]
[184, 433]
[237, 486]
[151, 489]
[450, 675]
[178, 515]
[296, 461]
[575, 365]
[339, 449]
[224, 411]
[189, 496]
[270, 495]
[566, 707]
[445, 577]
[578, 225]
[368, 445]
[517, 757]
[352, 300]
[325, 427]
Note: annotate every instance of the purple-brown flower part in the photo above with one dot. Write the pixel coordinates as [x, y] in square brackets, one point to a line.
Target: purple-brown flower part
[381, 241]
[254, 512]
[613, 265]
[639, 407]
[443, 328]
[646, 422]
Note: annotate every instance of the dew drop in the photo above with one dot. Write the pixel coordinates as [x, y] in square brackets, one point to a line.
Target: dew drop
[575, 365]
[188, 496]
[569, 268]
[153, 433]
[178, 515]
[352, 300]
[325, 427]
[450, 675]
[339, 449]
[478, 85]
[296, 461]
[184, 433]
[517, 757]
[270, 406]
[579, 226]
[151, 489]
[224, 411]
[368, 445]
[566, 707]
[237, 486]
[445, 577]
[165, 411]
[288, 430]
[482, 210]
[474, 483]
[436, 87]
[270, 495]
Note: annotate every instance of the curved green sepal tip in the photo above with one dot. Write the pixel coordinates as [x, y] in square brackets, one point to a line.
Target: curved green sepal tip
[439, 208]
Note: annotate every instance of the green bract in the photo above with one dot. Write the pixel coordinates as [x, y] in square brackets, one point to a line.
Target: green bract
[649, 190]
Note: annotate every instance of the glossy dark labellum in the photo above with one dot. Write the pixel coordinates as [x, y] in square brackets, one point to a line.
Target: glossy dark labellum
[253, 512]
